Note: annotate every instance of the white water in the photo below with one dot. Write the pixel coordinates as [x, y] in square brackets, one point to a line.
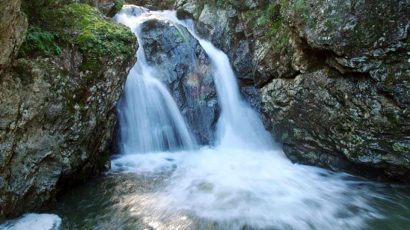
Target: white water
[239, 125]
[244, 179]
[149, 117]
[33, 221]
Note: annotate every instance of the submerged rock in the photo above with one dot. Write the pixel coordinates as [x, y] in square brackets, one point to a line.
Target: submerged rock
[185, 68]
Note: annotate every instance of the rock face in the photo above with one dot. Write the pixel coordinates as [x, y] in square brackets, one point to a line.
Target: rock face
[12, 31]
[153, 4]
[334, 76]
[233, 27]
[355, 107]
[186, 70]
[57, 105]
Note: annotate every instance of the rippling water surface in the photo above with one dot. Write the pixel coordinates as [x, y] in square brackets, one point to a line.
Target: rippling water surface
[179, 191]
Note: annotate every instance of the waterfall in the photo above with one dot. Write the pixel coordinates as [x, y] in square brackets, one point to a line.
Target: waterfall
[149, 117]
[244, 179]
[239, 125]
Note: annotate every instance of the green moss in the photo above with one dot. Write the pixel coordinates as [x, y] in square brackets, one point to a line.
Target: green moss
[39, 42]
[118, 4]
[58, 24]
[95, 36]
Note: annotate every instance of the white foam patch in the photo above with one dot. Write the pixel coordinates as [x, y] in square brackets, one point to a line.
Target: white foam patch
[33, 221]
[257, 188]
[246, 180]
[149, 162]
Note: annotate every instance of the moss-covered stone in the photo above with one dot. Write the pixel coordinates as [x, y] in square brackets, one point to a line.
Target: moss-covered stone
[86, 28]
[96, 36]
[57, 102]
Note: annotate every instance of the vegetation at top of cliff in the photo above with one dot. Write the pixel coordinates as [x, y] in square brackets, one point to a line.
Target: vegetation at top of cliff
[59, 24]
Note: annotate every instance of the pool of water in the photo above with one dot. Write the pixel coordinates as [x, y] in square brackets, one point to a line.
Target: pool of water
[145, 198]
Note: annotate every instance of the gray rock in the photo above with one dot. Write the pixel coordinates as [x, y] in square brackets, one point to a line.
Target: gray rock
[305, 55]
[186, 69]
[13, 28]
[57, 119]
[341, 122]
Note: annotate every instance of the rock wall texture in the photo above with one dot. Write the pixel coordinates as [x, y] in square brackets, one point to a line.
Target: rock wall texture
[333, 76]
[185, 68]
[13, 28]
[57, 102]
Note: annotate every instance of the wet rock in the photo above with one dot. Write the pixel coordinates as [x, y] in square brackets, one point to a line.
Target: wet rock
[57, 108]
[359, 47]
[187, 74]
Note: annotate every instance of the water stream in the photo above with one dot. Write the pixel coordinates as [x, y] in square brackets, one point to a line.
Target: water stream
[163, 180]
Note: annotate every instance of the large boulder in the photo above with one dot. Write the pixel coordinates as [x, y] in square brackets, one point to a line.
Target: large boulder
[306, 54]
[327, 119]
[357, 111]
[185, 68]
[57, 112]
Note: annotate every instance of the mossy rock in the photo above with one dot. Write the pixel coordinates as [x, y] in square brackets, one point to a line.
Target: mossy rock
[83, 26]
[94, 35]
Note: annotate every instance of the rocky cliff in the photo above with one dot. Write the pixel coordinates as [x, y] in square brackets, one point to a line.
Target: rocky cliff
[57, 98]
[333, 76]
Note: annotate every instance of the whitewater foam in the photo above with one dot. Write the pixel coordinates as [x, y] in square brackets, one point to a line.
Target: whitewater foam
[34, 221]
[245, 179]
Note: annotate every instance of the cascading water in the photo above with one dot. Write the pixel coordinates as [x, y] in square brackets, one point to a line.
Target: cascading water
[163, 180]
[239, 125]
[149, 117]
[244, 180]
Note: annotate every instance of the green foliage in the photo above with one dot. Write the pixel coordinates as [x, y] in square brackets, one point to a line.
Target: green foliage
[118, 4]
[41, 42]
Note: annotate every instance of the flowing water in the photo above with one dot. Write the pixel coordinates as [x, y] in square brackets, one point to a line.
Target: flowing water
[163, 180]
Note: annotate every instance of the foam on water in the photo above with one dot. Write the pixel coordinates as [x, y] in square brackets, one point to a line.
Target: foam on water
[258, 189]
[33, 221]
[245, 179]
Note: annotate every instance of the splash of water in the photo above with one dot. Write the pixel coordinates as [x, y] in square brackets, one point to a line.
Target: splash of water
[245, 179]
[33, 221]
